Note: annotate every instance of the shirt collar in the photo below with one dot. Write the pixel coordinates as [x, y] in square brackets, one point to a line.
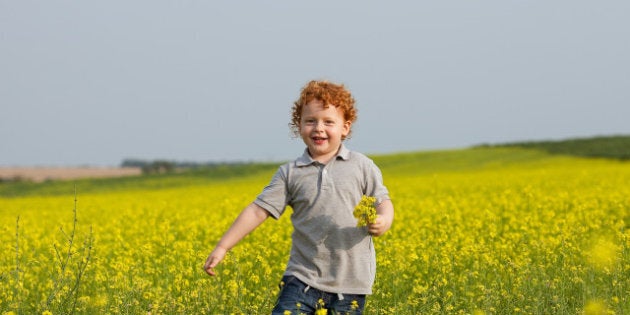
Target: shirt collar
[306, 159]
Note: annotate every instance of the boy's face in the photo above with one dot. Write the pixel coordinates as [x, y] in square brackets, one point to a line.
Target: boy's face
[322, 129]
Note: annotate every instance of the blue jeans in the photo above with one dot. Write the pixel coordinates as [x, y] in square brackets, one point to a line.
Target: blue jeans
[298, 298]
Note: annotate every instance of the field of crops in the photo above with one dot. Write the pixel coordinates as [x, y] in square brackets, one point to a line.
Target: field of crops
[478, 231]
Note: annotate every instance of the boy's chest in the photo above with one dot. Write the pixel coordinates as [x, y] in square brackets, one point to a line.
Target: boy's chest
[329, 183]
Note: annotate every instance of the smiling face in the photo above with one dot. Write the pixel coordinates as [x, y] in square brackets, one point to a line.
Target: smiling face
[322, 129]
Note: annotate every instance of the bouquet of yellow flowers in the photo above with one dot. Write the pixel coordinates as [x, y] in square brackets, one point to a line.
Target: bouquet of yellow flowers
[365, 212]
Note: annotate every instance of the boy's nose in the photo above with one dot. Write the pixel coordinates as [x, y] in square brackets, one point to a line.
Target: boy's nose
[319, 125]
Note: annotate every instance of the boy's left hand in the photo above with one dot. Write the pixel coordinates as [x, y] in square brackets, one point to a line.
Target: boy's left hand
[379, 227]
[384, 218]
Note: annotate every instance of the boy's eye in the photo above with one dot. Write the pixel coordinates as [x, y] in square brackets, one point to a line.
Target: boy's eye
[313, 122]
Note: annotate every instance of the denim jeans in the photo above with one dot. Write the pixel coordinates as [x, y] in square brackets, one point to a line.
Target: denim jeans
[298, 298]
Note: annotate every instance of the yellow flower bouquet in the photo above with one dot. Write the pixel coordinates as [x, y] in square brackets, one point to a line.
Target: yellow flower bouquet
[365, 212]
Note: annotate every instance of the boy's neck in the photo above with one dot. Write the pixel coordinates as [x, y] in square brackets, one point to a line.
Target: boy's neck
[324, 159]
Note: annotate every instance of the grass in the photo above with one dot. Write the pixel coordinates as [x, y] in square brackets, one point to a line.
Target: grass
[187, 177]
[500, 230]
[610, 147]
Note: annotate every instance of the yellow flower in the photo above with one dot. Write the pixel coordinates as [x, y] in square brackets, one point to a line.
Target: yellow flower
[595, 307]
[354, 305]
[47, 313]
[365, 212]
[287, 312]
[320, 308]
[603, 254]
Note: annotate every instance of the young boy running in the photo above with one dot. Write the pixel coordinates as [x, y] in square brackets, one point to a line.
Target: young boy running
[332, 262]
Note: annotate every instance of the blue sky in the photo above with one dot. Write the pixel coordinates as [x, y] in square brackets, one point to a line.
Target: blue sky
[93, 83]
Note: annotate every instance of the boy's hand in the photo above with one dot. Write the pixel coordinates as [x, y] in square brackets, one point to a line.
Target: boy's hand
[384, 218]
[250, 218]
[213, 260]
[379, 227]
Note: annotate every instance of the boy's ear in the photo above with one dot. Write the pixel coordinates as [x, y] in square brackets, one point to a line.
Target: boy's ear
[346, 127]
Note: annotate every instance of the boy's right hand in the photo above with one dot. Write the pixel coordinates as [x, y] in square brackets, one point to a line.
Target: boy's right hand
[213, 260]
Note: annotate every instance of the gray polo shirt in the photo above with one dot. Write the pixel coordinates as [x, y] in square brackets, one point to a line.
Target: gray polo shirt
[329, 252]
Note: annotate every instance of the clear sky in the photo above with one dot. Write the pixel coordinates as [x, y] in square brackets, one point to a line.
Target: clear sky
[95, 82]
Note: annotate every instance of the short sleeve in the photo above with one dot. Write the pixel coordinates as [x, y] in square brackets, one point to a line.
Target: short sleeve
[374, 183]
[274, 196]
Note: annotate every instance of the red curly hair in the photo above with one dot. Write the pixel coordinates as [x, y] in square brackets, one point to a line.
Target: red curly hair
[330, 94]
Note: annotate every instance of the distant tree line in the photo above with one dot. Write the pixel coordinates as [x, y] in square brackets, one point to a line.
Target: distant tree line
[150, 167]
[166, 166]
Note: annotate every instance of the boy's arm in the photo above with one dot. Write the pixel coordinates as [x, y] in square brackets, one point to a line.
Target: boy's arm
[384, 218]
[249, 219]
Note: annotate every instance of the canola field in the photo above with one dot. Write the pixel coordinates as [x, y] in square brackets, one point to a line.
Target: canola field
[479, 231]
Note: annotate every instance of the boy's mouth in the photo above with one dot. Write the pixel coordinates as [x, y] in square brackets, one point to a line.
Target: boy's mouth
[319, 140]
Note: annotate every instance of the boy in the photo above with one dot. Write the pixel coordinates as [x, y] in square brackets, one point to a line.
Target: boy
[332, 262]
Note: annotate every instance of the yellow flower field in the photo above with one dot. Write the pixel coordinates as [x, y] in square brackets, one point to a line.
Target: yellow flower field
[541, 236]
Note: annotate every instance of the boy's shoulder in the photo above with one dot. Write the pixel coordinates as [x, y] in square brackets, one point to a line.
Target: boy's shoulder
[358, 155]
[355, 156]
